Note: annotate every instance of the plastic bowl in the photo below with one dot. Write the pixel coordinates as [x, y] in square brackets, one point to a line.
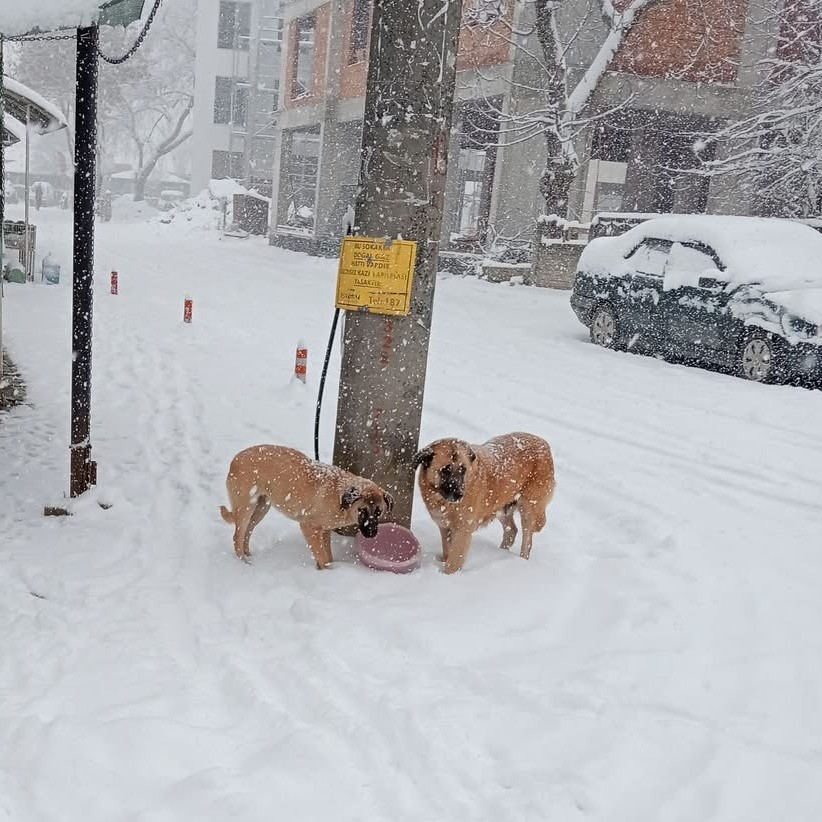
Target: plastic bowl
[394, 549]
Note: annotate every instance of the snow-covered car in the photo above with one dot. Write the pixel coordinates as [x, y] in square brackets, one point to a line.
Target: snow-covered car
[169, 198]
[740, 293]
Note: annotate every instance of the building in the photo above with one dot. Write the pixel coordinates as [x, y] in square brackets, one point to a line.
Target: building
[236, 92]
[685, 70]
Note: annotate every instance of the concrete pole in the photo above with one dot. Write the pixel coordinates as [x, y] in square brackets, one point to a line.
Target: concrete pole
[2, 198]
[408, 105]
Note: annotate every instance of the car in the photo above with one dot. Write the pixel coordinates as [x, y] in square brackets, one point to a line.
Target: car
[169, 198]
[741, 294]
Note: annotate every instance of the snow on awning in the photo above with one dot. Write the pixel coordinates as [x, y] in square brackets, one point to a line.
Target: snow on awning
[13, 130]
[18, 17]
[22, 103]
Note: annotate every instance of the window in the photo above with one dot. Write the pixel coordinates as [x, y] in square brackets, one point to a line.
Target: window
[687, 263]
[230, 101]
[649, 258]
[226, 164]
[611, 143]
[301, 178]
[608, 197]
[234, 26]
[360, 25]
[303, 57]
[483, 12]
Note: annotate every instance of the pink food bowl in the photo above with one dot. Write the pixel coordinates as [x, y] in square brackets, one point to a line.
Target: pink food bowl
[394, 549]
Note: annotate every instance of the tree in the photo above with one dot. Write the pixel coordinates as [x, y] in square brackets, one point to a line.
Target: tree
[144, 104]
[47, 66]
[565, 105]
[147, 101]
[778, 150]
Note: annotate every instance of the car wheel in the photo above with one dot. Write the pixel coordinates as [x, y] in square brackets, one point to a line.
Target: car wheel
[759, 357]
[605, 326]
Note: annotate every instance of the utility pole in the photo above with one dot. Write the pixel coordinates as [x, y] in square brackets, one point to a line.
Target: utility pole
[408, 106]
[2, 196]
[83, 470]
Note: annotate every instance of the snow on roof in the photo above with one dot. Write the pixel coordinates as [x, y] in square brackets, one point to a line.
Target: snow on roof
[47, 15]
[131, 174]
[777, 254]
[18, 17]
[21, 102]
[14, 129]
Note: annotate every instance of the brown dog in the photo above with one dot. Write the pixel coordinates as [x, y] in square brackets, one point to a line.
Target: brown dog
[466, 486]
[320, 497]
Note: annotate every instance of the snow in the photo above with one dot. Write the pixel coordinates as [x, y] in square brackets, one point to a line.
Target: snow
[46, 15]
[657, 659]
[14, 127]
[56, 119]
[225, 188]
[777, 255]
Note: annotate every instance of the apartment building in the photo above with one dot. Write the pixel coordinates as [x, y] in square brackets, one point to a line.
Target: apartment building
[685, 69]
[236, 93]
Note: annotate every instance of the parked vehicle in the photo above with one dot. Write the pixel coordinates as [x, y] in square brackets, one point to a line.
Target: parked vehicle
[169, 198]
[740, 293]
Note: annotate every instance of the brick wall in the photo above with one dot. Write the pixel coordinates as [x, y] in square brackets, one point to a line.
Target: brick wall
[483, 46]
[693, 40]
[323, 15]
[480, 47]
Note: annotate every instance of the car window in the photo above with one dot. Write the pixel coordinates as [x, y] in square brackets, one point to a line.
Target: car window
[649, 258]
[686, 264]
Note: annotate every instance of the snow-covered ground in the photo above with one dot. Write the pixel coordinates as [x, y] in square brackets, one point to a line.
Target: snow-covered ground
[659, 658]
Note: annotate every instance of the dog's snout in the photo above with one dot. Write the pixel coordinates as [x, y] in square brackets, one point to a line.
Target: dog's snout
[451, 489]
[369, 523]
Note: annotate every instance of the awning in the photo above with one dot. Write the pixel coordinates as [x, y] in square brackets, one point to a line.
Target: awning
[13, 130]
[22, 103]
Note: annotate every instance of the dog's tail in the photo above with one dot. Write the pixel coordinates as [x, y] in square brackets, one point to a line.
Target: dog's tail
[226, 515]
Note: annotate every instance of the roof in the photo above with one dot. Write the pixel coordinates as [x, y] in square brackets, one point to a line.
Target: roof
[18, 18]
[22, 103]
[13, 130]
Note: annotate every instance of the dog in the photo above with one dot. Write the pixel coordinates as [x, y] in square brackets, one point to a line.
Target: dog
[465, 486]
[320, 497]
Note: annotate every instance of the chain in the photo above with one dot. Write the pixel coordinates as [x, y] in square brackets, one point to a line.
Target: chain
[31, 38]
[116, 61]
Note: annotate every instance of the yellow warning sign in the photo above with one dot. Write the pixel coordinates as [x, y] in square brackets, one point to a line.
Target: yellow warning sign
[376, 275]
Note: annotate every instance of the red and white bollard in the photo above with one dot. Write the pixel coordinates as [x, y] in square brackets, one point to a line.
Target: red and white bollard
[115, 284]
[301, 361]
[188, 309]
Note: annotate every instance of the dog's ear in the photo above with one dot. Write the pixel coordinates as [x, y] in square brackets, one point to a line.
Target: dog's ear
[389, 502]
[349, 497]
[471, 455]
[424, 458]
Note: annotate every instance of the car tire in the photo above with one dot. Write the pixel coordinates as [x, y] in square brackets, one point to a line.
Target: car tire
[759, 358]
[605, 330]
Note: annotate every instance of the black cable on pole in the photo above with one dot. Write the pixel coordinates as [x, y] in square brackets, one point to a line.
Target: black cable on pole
[116, 61]
[322, 385]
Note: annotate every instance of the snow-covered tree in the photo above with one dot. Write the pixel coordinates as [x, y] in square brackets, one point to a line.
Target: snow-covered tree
[147, 101]
[48, 66]
[565, 104]
[778, 150]
[144, 104]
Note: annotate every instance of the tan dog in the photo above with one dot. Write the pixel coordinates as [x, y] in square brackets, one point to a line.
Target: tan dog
[320, 497]
[466, 486]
